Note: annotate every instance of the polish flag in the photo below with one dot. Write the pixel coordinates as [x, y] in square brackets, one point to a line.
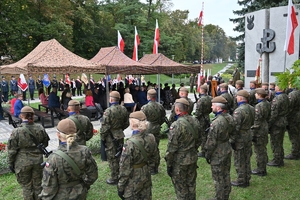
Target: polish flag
[121, 43]
[156, 39]
[292, 23]
[198, 82]
[67, 79]
[136, 44]
[200, 20]
[22, 83]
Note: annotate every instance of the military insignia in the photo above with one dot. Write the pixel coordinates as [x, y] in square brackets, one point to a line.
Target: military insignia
[256, 110]
[171, 128]
[123, 149]
[47, 164]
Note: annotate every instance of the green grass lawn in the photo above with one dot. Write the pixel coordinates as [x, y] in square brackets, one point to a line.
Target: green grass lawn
[280, 183]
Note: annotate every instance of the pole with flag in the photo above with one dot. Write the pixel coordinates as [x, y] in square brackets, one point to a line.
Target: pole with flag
[156, 39]
[291, 25]
[121, 43]
[258, 72]
[200, 23]
[136, 44]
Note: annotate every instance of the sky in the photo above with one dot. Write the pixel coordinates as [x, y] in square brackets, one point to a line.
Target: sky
[216, 12]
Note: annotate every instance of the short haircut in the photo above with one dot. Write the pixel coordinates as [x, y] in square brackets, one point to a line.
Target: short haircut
[182, 107]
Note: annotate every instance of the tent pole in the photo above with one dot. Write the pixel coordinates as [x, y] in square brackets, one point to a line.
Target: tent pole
[158, 84]
[107, 90]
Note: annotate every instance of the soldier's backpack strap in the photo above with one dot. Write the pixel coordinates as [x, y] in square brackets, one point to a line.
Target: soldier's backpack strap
[31, 135]
[141, 148]
[77, 123]
[69, 160]
[188, 126]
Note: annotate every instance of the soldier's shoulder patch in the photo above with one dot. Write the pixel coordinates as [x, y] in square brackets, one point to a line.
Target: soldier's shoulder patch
[47, 164]
[171, 128]
[256, 110]
[123, 149]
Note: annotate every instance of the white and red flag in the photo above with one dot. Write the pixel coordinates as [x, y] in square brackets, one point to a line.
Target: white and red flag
[136, 44]
[22, 84]
[291, 25]
[121, 43]
[156, 39]
[200, 20]
[67, 79]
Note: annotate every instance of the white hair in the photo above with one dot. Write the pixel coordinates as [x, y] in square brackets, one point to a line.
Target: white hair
[139, 125]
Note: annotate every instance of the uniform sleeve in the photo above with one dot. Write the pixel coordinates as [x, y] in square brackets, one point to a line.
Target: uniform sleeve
[126, 163]
[89, 128]
[199, 111]
[257, 119]
[126, 118]
[172, 115]
[211, 142]
[12, 147]
[105, 127]
[91, 170]
[173, 144]
[237, 117]
[50, 180]
[274, 113]
[45, 138]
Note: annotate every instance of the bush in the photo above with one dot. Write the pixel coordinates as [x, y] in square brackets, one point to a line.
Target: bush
[3, 160]
[94, 144]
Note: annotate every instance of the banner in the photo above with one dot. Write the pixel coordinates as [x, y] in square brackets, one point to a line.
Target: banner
[22, 83]
[46, 80]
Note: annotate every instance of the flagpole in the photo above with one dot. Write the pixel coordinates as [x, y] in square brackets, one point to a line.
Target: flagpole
[284, 66]
[202, 41]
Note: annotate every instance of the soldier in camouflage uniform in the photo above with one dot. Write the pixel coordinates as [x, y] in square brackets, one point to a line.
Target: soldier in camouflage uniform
[260, 131]
[293, 119]
[272, 91]
[181, 155]
[84, 126]
[155, 114]
[115, 120]
[203, 109]
[139, 153]
[183, 93]
[227, 96]
[24, 158]
[218, 149]
[239, 84]
[241, 139]
[277, 126]
[61, 179]
[252, 98]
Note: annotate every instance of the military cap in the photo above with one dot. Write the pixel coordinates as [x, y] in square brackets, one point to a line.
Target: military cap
[204, 87]
[223, 85]
[219, 99]
[265, 83]
[239, 82]
[152, 92]
[254, 82]
[115, 94]
[183, 101]
[138, 115]
[243, 93]
[273, 83]
[260, 91]
[27, 109]
[66, 126]
[73, 103]
[184, 89]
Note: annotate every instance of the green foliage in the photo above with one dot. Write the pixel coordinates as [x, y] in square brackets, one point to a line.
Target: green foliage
[3, 160]
[291, 77]
[94, 144]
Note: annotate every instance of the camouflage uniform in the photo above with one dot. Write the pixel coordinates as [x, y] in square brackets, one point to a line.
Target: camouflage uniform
[60, 180]
[252, 98]
[115, 120]
[135, 177]
[235, 103]
[26, 158]
[218, 151]
[277, 126]
[230, 101]
[203, 109]
[244, 118]
[293, 119]
[173, 114]
[260, 133]
[155, 114]
[87, 133]
[182, 156]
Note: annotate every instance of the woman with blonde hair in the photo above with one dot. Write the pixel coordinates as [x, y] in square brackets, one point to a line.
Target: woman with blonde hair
[139, 152]
[71, 169]
[128, 100]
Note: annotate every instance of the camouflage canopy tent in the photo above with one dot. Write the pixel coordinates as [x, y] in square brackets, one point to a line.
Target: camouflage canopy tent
[164, 65]
[116, 62]
[51, 57]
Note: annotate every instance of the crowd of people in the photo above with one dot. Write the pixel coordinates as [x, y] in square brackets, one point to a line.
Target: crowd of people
[242, 119]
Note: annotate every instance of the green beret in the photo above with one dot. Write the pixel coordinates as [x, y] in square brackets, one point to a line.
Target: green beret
[66, 126]
[219, 99]
[183, 101]
[260, 91]
[138, 115]
[243, 93]
[115, 94]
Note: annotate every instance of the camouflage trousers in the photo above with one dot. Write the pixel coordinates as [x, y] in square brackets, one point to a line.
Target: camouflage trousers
[184, 181]
[294, 135]
[111, 149]
[155, 130]
[242, 162]
[221, 177]
[30, 179]
[145, 194]
[276, 138]
[260, 149]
